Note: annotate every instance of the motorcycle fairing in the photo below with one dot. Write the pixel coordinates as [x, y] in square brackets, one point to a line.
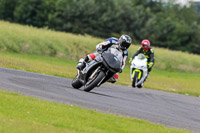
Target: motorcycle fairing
[141, 77]
[89, 66]
[115, 64]
[139, 64]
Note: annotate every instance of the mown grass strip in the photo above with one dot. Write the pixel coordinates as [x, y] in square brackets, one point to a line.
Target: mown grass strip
[29, 115]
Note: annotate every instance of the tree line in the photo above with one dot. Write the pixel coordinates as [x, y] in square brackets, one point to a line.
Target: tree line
[167, 25]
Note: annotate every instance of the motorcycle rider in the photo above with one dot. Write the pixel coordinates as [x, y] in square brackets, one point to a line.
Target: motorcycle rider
[122, 44]
[148, 52]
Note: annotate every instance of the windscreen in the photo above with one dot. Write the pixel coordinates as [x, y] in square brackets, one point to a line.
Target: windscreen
[141, 56]
[117, 54]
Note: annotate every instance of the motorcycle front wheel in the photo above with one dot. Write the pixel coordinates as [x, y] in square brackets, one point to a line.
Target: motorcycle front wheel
[89, 86]
[135, 79]
[76, 83]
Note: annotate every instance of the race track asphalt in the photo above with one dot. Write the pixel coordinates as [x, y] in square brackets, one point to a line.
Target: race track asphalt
[169, 109]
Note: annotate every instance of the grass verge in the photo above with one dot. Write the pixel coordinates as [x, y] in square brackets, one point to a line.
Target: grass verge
[29, 40]
[29, 115]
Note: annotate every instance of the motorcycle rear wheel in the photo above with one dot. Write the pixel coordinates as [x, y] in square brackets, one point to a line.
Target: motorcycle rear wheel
[76, 83]
[94, 83]
[140, 86]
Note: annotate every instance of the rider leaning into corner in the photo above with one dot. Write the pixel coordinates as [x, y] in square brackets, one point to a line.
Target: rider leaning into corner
[122, 44]
[148, 52]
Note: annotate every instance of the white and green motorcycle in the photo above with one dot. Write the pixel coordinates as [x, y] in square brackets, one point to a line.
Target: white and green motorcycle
[139, 70]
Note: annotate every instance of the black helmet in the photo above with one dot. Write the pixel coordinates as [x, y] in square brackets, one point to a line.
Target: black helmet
[125, 42]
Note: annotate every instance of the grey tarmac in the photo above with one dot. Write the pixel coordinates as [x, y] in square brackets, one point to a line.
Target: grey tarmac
[169, 109]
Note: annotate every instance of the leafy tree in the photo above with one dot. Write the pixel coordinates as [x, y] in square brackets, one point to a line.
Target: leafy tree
[7, 8]
[33, 12]
[167, 24]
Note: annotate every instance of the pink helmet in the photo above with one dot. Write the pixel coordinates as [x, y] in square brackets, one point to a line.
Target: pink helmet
[145, 44]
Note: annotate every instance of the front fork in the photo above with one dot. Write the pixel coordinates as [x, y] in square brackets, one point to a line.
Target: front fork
[106, 73]
[94, 73]
[133, 73]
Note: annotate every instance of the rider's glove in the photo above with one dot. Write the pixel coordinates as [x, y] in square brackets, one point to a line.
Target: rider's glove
[150, 65]
[130, 60]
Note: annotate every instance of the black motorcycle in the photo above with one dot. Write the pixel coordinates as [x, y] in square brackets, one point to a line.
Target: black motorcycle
[99, 70]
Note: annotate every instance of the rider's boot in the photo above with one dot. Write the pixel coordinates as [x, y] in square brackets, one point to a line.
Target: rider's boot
[149, 70]
[113, 79]
[82, 65]
[146, 76]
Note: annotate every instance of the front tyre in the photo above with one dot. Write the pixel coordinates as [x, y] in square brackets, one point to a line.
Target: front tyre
[76, 83]
[94, 83]
[135, 79]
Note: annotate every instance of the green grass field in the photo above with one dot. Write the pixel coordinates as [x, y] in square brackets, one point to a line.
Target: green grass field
[29, 40]
[56, 53]
[20, 114]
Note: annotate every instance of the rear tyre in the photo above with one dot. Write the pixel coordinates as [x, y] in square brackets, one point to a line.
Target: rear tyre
[140, 86]
[94, 83]
[135, 79]
[76, 83]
